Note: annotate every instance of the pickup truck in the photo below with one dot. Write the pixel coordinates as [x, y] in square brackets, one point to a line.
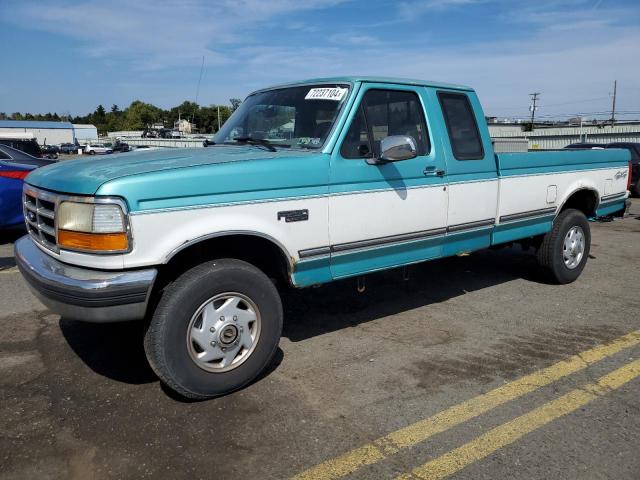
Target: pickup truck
[305, 184]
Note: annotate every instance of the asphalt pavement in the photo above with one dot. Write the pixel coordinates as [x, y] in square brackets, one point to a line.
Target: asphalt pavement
[474, 368]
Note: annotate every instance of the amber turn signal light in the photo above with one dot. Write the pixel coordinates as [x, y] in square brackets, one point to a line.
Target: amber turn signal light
[97, 242]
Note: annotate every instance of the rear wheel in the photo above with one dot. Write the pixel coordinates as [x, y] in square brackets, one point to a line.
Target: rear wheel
[565, 249]
[215, 329]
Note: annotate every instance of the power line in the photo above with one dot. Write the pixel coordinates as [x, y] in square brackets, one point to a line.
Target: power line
[575, 101]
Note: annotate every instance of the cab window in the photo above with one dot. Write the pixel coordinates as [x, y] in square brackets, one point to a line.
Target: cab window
[383, 113]
[461, 126]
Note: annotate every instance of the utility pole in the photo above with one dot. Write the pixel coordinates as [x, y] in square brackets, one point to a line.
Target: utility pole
[534, 99]
[613, 107]
[218, 117]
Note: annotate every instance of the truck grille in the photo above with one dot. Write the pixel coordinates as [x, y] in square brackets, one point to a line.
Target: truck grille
[40, 216]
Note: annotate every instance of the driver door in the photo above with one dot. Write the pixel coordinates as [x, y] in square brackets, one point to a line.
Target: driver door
[385, 214]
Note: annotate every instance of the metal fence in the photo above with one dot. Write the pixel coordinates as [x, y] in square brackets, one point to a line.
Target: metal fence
[505, 140]
[165, 142]
[560, 137]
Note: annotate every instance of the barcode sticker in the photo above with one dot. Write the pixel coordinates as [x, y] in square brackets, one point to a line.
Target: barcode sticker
[336, 94]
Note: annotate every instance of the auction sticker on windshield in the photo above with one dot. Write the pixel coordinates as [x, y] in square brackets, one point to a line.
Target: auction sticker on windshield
[335, 94]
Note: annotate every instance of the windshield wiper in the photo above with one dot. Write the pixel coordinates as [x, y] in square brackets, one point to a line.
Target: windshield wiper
[256, 141]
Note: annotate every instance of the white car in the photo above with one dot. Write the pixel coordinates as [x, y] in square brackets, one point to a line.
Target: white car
[97, 148]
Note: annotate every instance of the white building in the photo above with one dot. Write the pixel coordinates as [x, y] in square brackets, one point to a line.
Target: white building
[48, 133]
[184, 126]
[83, 132]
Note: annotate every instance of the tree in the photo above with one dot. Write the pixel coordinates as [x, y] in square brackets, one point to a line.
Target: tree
[114, 109]
[140, 115]
[100, 112]
[235, 103]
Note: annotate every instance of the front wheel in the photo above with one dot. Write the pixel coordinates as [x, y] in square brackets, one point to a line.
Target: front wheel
[565, 249]
[215, 329]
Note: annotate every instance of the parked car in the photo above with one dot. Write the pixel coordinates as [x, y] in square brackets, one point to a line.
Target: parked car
[587, 145]
[165, 133]
[97, 148]
[29, 146]
[634, 149]
[15, 165]
[119, 146]
[197, 242]
[68, 148]
[50, 151]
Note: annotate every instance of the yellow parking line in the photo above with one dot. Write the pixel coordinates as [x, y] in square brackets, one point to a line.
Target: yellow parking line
[10, 270]
[408, 436]
[507, 433]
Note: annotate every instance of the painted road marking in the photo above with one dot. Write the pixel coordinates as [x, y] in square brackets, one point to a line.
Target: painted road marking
[10, 270]
[509, 432]
[408, 436]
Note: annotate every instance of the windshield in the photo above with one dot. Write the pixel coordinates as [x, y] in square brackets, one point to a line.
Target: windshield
[297, 117]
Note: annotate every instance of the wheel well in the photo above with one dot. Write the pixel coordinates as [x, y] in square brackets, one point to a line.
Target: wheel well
[261, 252]
[584, 200]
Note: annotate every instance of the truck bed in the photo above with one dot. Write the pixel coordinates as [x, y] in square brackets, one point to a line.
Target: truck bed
[560, 161]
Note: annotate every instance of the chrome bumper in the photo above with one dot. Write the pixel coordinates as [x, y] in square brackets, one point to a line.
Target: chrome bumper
[82, 294]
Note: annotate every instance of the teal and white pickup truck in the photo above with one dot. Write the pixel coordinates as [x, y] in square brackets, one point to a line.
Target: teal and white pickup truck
[306, 183]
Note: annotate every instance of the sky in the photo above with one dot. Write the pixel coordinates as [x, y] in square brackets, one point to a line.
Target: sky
[69, 56]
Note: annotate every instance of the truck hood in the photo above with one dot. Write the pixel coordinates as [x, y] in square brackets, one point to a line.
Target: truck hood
[178, 178]
[85, 176]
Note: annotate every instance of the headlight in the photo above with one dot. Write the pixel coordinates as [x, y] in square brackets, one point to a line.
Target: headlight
[95, 227]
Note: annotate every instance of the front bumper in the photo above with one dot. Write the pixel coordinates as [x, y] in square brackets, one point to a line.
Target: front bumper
[82, 294]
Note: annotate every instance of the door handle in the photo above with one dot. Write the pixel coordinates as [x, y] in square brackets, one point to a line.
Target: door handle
[432, 172]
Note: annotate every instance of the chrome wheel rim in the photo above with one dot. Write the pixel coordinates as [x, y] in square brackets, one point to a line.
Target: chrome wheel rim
[223, 332]
[573, 247]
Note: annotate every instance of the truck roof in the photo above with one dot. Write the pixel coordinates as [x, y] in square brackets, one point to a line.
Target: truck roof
[372, 79]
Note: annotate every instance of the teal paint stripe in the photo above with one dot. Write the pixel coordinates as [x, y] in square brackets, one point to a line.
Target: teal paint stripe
[533, 170]
[311, 272]
[610, 208]
[358, 262]
[225, 199]
[517, 230]
[472, 177]
[364, 261]
[398, 184]
[463, 242]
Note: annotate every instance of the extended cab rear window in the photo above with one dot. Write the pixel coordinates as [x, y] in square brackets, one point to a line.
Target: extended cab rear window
[461, 126]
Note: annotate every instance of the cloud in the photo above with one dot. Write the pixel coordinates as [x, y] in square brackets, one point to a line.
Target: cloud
[156, 33]
[565, 49]
[414, 9]
[354, 39]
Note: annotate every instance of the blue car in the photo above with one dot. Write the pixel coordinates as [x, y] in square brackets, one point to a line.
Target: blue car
[15, 165]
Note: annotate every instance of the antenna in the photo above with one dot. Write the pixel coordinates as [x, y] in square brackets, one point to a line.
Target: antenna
[613, 107]
[198, 88]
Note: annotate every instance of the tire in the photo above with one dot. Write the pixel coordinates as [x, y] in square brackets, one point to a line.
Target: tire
[561, 268]
[91, 152]
[174, 335]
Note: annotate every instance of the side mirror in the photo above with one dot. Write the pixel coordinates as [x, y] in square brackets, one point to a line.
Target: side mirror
[397, 147]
